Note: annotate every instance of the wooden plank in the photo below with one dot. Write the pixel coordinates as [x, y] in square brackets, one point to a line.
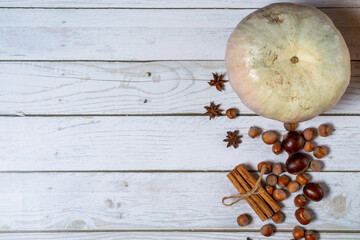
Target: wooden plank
[162, 236]
[156, 143]
[117, 34]
[162, 201]
[169, 3]
[126, 88]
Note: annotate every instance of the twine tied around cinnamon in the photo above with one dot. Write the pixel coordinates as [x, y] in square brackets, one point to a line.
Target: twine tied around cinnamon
[252, 192]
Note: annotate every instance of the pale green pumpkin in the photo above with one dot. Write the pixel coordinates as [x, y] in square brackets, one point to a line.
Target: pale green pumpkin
[288, 62]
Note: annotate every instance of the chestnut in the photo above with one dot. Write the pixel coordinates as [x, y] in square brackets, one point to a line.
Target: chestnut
[320, 152]
[271, 179]
[269, 189]
[279, 195]
[308, 147]
[324, 130]
[298, 232]
[276, 148]
[315, 165]
[243, 220]
[293, 186]
[266, 164]
[310, 235]
[293, 142]
[309, 134]
[269, 137]
[300, 200]
[289, 126]
[313, 191]
[231, 113]
[253, 132]
[283, 181]
[278, 217]
[297, 163]
[277, 168]
[303, 216]
[267, 230]
[302, 178]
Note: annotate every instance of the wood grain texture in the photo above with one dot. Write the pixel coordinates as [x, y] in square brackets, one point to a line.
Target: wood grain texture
[168, 87]
[134, 34]
[162, 201]
[165, 236]
[156, 143]
[170, 4]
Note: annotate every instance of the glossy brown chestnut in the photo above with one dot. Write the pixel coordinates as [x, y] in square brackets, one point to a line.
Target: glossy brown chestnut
[277, 168]
[293, 186]
[278, 217]
[302, 178]
[300, 200]
[283, 181]
[297, 163]
[298, 232]
[310, 235]
[276, 148]
[303, 216]
[269, 137]
[243, 220]
[266, 164]
[267, 230]
[279, 195]
[292, 142]
[313, 191]
[269, 189]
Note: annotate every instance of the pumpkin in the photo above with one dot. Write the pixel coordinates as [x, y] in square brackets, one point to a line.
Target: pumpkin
[288, 62]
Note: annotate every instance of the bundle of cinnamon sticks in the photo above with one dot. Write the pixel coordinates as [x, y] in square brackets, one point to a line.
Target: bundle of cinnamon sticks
[263, 204]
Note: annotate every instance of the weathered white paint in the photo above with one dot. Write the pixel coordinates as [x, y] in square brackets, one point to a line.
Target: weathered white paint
[164, 236]
[170, 4]
[134, 34]
[161, 201]
[156, 143]
[126, 88]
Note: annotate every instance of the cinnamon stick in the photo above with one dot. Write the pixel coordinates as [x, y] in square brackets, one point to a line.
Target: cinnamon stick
[250, 201]
[259, 201]
[251, 180]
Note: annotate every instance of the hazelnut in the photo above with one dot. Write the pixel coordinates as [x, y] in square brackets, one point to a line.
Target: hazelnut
[283, 181]
[298, 232]
[232, 113]
[277, 168]
[292, 142]
[253, 132]
[302, 178]
[320, 152]
[309, 134]
[271, 179]
[303, 216]
[243, 220]
[315, 165]
[269, 189]
[266, 164]
[267, 230]
[293, 186]
[276, 148]
[289, 126]
[279, 195]
[308, 146]
[313, 191]
[278, 217]
[269, 137]
[310, 235]
[297, 163]
[300, 200]
[324, 130]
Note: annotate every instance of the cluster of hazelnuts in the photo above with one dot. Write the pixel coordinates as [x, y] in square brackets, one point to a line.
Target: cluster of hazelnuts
[296, 164]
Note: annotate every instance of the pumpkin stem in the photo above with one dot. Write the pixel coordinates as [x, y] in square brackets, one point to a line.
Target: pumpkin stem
[294, 59]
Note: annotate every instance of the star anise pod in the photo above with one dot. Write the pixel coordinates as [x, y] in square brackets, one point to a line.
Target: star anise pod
[217, 81]
[213, 110]
[233, 139]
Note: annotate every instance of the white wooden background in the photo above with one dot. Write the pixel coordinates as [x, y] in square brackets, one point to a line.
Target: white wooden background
[101, 128]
